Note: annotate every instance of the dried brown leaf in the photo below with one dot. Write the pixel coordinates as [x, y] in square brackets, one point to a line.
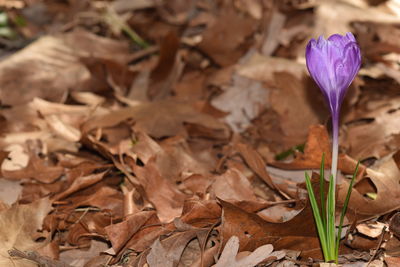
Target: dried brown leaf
[60, 54]
[233, 185]
[80, 183]
[293, 97]
[225, 44]
[9, 191]
[160, 119]
[167, 252]
[163, 194]
[119, 234]
[371, 229]
[373, 132]
[382, 179]
[263, 69]
[80, 257]
[168, 70]
[243, 100]
[336, 16]
[38, 169]
[200, 213]
[229, 258]
[255, 162]
[84, 225]
[392, 261]
[254, 232]
[147, 235]
[121, 6]
[100, 196]
[19, 226]
[318, 144]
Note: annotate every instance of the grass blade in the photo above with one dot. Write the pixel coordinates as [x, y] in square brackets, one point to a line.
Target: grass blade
[344, 209]
[317, 217]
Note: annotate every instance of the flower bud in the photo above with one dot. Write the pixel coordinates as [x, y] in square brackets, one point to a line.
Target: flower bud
[333, 64]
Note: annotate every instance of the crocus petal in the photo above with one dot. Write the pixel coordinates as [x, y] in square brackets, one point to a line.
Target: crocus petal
[315, 65]
[333, 64]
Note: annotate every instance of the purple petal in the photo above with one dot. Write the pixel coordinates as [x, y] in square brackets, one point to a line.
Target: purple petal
[333, 64]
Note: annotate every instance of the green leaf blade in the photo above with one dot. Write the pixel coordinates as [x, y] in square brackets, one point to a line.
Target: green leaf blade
[344, 209]
[317, 217]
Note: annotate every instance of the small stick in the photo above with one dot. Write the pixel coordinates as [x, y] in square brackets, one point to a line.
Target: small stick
[36, 257]
[379, 245]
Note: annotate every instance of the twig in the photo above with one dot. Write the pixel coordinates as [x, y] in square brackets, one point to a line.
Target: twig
[36, 257]
[379, 245]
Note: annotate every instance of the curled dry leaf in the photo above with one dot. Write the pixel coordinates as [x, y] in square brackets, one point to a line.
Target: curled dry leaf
[229, 255]
[200, 213]
[88, 98]
[374, 131]
[243, 100]
[225, 44]
[371, 229]
[255, 162]
[167, 252]
[191, 86]
[145, 147]
[79, 257]
[168, 70]
[177, 160]
[317, 144]
[14, 157]
[233, 185]
[381, 179]
[254, 232]
[121, 6]
[19, 229]
[253, 7]
[129, 227]
[207, 258]
[55, 125]
[394, 224]
[86, 223]
[20, 85]
[61, 54]
[9, 191]
[160, 119]
[100, 196]
[392, 261]
[261, 68]
[292, 97]
[62, 129]
[80, 183]
[38, 169]
[163, 194]
[151, 230]
[336, 16]
[274, 31]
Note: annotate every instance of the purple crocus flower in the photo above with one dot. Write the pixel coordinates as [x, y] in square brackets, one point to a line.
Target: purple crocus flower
[333, 64]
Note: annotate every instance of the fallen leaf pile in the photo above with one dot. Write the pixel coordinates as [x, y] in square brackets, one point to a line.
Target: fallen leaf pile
[177, 133]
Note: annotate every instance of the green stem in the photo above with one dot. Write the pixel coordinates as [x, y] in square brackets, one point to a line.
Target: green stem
[330, 225]
[322, 189]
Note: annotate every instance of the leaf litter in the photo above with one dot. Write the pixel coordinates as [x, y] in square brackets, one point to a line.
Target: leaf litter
[150, 133]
